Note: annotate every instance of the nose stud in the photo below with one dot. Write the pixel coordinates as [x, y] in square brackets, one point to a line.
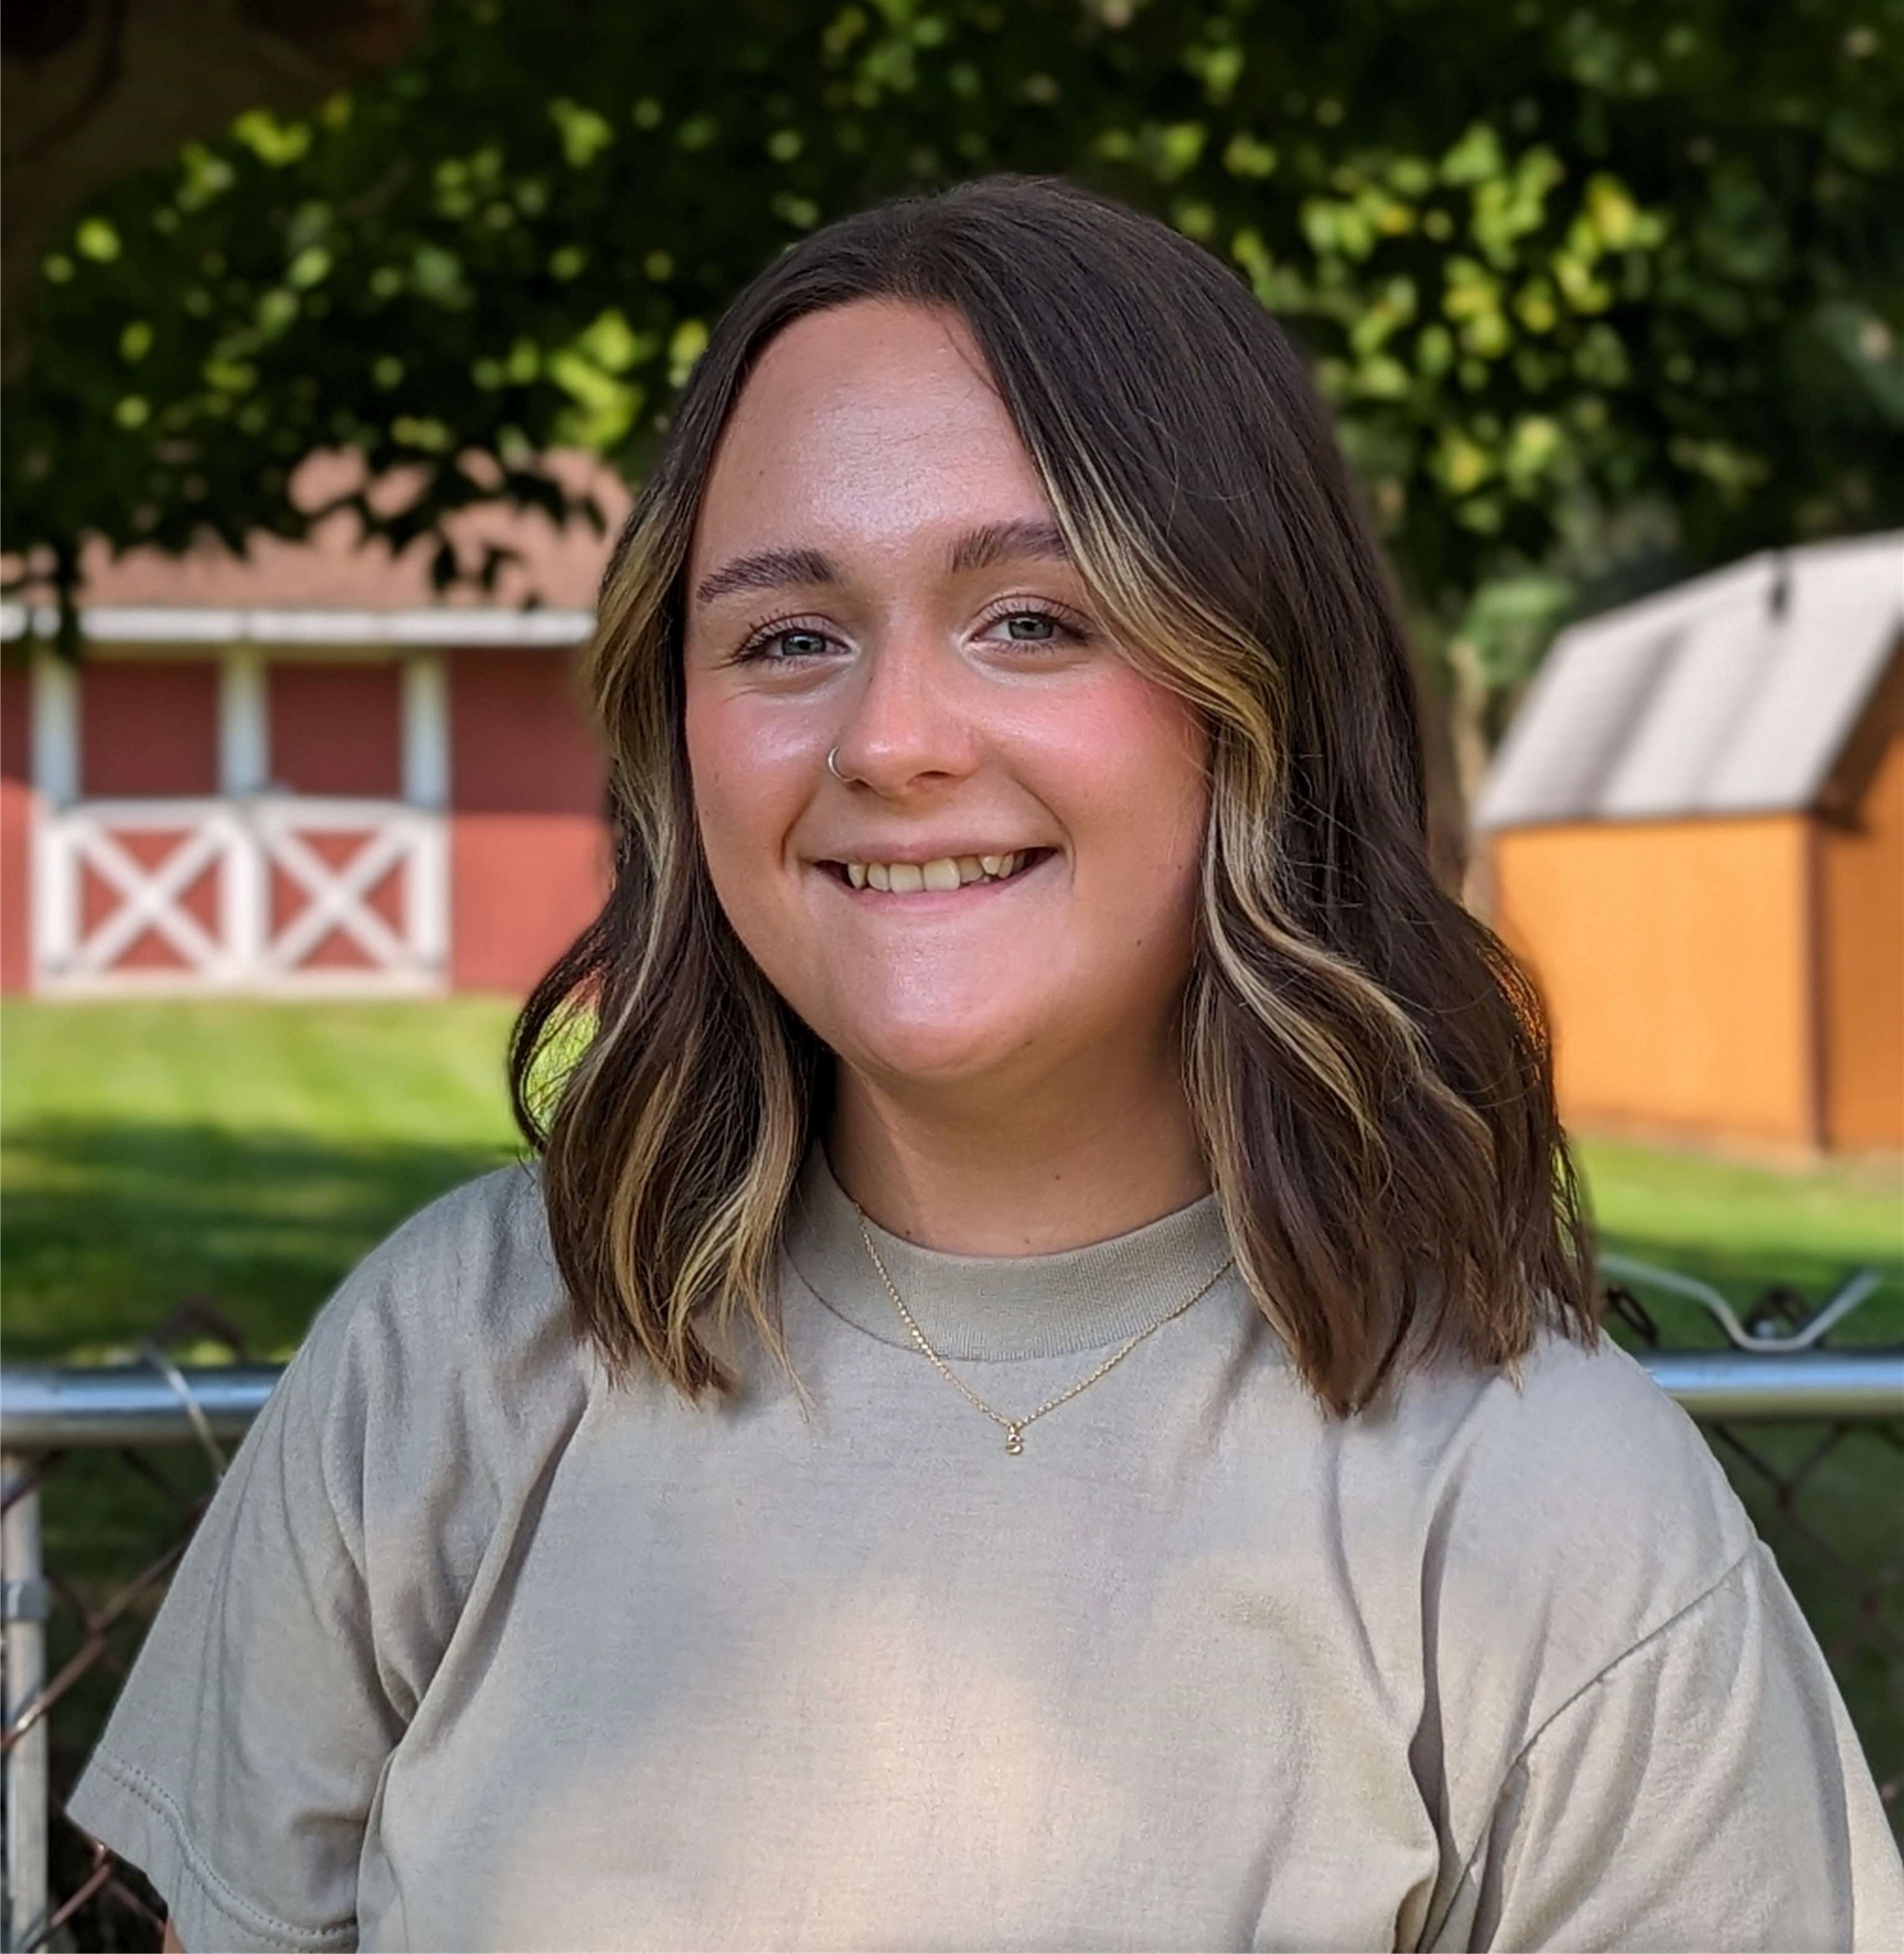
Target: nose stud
[832, 765]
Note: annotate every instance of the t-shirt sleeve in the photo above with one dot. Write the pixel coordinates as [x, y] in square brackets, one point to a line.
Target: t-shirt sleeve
[1705, 1790]
[309, 1613]
[239, 1762]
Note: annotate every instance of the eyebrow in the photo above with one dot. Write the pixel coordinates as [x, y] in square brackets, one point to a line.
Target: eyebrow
[976, 549]
[1004, 542]
[766, 570]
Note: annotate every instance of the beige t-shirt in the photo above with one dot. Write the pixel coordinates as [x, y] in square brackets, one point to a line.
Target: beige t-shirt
[473, 1651]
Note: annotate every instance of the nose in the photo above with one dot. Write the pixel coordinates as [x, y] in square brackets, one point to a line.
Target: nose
[909, 727]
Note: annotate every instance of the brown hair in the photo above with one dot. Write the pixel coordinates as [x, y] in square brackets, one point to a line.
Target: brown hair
[1369, 1069]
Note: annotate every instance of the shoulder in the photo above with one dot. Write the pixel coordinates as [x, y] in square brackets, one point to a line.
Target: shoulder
[1584, 1464]
[1563, 1516]
[481, 1246]
[1578, 1477]
[450, 1342]
[474, 1265]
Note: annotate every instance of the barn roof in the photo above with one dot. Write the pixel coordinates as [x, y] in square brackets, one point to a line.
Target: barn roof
[1732, 694]
[333, 587]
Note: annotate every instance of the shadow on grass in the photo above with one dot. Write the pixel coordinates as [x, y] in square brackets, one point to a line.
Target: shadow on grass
[108, 1227]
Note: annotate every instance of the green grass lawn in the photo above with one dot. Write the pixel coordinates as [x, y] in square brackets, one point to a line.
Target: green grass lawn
[240, 1154]
[1743, 1228]
[244, 1155]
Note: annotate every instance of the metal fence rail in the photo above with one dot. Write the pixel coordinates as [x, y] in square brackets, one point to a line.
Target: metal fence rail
[1774, 1378]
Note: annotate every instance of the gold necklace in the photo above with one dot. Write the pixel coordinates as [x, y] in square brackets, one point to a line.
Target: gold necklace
[1014, 1426]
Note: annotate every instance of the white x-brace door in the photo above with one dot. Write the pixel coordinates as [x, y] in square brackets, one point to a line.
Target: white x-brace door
[247, 846]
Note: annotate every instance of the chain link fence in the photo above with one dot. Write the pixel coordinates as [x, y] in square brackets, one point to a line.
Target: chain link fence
[106, 1472]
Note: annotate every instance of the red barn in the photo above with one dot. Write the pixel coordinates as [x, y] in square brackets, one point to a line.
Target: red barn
[304, 771]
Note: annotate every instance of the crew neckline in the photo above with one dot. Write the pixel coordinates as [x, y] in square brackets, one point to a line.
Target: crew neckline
[998, 1307]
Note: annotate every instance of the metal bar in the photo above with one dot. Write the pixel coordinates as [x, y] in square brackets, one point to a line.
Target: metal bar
[28, 1718]
[1740, 1385]
[22, 1890]
[42, 1406]
[126, 1404]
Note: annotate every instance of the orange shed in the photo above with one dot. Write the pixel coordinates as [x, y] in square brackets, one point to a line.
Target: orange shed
[1695, 831]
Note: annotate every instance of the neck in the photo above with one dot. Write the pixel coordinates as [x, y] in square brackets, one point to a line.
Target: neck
[1082, 1159]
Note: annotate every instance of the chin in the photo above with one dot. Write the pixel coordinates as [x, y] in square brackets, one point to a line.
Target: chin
[928, 1054]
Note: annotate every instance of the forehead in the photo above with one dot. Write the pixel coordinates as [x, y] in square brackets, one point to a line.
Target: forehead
[871, 426]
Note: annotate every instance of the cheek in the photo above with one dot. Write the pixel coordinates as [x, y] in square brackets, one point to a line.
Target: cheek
[750, 777]
[1128, 772]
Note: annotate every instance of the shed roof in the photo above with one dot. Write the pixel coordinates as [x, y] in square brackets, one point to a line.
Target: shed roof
[1734, 693]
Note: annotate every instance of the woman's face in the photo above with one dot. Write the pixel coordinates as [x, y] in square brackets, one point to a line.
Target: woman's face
[875, 568]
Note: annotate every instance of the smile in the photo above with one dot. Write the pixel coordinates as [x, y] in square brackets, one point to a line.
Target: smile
[942, 875]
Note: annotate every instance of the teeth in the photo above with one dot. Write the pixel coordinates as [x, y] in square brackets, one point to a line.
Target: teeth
[946, 872]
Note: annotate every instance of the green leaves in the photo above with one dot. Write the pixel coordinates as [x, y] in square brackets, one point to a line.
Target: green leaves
[1544, 260]
[585, 134]
[275, 144]
[590, 371]
[95, 238]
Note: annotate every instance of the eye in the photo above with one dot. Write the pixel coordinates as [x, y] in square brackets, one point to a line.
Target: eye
[784, 643]
[1022, 624]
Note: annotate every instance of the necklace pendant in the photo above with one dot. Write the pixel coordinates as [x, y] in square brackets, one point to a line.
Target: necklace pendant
[1013, 1443]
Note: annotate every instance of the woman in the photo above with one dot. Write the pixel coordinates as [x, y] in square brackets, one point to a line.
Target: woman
[1046, 1390]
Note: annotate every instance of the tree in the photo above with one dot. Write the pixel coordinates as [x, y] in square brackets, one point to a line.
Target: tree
[92, 92]
[1555, 265]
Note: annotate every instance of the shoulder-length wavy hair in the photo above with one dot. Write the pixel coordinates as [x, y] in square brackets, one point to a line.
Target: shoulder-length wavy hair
[1370, 1071]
